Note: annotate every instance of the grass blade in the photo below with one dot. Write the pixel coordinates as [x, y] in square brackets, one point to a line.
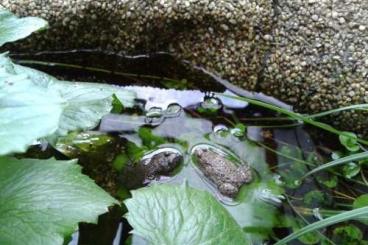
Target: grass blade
[361, 107]
[355, 157]
[359, 212]
[295, 115]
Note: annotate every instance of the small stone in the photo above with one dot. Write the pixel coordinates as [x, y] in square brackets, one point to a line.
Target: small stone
[224, 27]
[267, 37]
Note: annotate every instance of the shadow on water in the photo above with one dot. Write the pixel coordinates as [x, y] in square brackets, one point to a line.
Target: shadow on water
[278, 150]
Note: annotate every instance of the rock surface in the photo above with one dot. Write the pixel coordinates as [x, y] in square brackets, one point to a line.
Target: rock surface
[310, 53]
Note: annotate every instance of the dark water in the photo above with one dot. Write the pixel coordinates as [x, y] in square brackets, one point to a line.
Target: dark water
[177, 109]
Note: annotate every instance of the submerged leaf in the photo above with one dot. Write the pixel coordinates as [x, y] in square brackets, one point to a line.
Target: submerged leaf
[13, 28]
[42, 201]
[170, 214]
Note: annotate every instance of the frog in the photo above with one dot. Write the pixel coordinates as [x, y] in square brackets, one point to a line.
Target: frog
[160, 164]
[138, 174]
[226, 175]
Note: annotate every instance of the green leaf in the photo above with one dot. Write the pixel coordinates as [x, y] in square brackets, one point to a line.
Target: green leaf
[348, 234]
[149, 139]
[170, 214]
[42, 201]
[339, 161]
[361, 201]
[86, 102]
[329, 181]
[117, 106]
[308, 238]
[13, 28]
[239, 130]
[24, 106]
[347, 215]
[316, 199]
[351, 169]
[350, 141]
[32, 99]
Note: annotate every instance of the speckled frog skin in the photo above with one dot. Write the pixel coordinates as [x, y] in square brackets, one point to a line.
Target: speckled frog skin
[160, 164]
[222, 172]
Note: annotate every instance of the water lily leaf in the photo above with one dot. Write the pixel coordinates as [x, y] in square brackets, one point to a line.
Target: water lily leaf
[13, 28]
[171, 214]
[42, 201]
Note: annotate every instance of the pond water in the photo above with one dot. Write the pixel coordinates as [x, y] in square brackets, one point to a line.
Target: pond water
[179, 110]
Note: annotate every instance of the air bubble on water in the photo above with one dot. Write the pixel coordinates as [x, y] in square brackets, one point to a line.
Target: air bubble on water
[317, 214]
[211, 103]
[237, 132]
[173, 110]
[221, 130]
[278, 179]
[266, 195]
[154, 115]
[297, 182]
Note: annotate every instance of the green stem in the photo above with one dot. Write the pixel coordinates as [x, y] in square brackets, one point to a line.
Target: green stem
[296, 116]
[362, 107]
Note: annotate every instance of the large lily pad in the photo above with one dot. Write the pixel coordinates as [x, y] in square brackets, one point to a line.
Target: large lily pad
[172, 214]
[42, 201]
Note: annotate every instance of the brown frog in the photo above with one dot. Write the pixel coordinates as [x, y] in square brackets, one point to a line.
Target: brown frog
[136, 175]
[222, 172]
[161, 164]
